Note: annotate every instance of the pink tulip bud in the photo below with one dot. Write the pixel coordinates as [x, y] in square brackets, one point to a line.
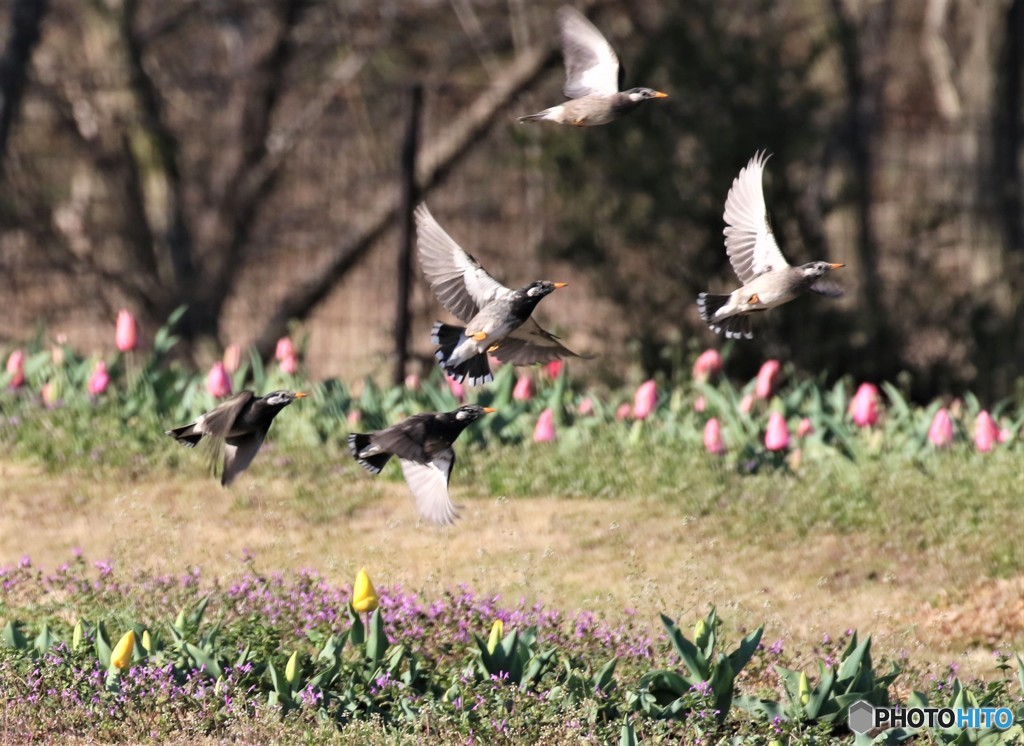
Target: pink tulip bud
[544, 432]
[524, 389]
[49, 394]
[16, 367]
[354, 418]
[218, 383]
[645, 399]
[776, 438]
[940, 433]
[289, 365]
[766, 378]
[708, 364]
[864, 405]
[412, 382]
[986, 432]
[232, 358]
[284, 349]
[1004, 434]
[100, 379]
[747, 403]
[586, 407]
[805, 428]
[553, 369]
[700, 404]
[713, 437]
[457, 389]
[622, 411]
[124, 334]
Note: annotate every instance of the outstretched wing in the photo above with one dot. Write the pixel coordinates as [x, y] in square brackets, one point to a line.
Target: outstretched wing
[531, 344]
[429, 485]
[749, 241]
[218, 422]
[239, 453]
[591, 66]
[457, 279]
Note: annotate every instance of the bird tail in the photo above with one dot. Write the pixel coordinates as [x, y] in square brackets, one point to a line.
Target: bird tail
[369, 456]
[538, 117]
[187, 435]
[447, 338]
[709, 304]
[733, 327]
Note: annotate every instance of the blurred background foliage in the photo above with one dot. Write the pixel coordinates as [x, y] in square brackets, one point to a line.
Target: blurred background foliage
[242, 158]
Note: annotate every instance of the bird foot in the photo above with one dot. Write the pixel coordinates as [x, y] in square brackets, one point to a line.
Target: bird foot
[493, 348]
[754, 300]
[478, 336]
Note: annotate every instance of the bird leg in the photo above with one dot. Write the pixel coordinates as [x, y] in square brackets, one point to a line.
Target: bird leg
[493, 348]
[754, 300]
[478, 336]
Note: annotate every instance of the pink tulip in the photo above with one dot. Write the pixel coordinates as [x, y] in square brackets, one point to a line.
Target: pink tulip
[412, 382]
[218, 383]
[986, 432]
[709, 363]
[232, 358]
[124, 334]
[622, 411]
[354, 418]
[289, 365]
[805, 428]
[747, 403]
[544, 432]
[713, 437]
[524, 389]
[100, 379]
[284, 349]
[16, 367]
[1004, 434]
[553, 369]
[645, 399]
[864, 405]
[776, 438]
[457, 388]
[940, 433]
[49, 394]
[766, 379]
[586, 407]
[700, 404]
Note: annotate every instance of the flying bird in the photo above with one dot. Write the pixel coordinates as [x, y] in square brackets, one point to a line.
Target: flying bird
[768, 280]
[497, 319]
[238, 425]
[592, 77]
[423, 444]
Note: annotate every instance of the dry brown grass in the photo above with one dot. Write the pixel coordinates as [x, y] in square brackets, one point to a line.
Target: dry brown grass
[602, 555]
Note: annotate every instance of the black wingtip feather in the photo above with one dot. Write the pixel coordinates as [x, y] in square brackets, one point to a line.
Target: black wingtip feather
[357, 444]
[185, 435]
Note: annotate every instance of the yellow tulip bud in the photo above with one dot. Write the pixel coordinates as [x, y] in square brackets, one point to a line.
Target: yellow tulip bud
[179, 621]
[292, 669]
[699, 631]
[77, 635]
[364, 595]
[805, 688]
[122, 654]
[147, 641]
[497, 632]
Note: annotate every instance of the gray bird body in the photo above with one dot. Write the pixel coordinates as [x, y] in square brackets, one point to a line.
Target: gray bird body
[768, 279]
[592, 78]
[423, 444]
[497, 319]
[237, 426]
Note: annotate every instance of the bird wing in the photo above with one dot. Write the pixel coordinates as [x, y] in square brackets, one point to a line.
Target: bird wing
[591, 66]
[457, 279]
[406, 439]
[217, 423]
[827, 288]
[749, 240]
[531, 344]
[239, 452]
[429, 485]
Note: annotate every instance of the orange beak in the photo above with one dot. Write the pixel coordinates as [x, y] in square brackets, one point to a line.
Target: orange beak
[301, 394]
[560, 285]
[659, 94]
[836, 266]
[490, 409]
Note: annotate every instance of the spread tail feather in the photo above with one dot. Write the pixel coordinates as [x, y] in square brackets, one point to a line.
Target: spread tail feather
[447, 337]
[733, 327]
[186, 435]
[369, 456]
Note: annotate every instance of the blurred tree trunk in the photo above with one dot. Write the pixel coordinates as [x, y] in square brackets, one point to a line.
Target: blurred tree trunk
[1009, 125]
[863, 43]
[26, 22]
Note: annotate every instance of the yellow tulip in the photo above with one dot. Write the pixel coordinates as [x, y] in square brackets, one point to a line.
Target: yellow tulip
[147, 641]
[364, 595]
[805, 688]
[292, 669]
[699, 630]
[497, 632]
[122, 654]
[77, 635]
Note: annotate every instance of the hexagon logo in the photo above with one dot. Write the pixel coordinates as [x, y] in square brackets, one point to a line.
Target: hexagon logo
[861, 717]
